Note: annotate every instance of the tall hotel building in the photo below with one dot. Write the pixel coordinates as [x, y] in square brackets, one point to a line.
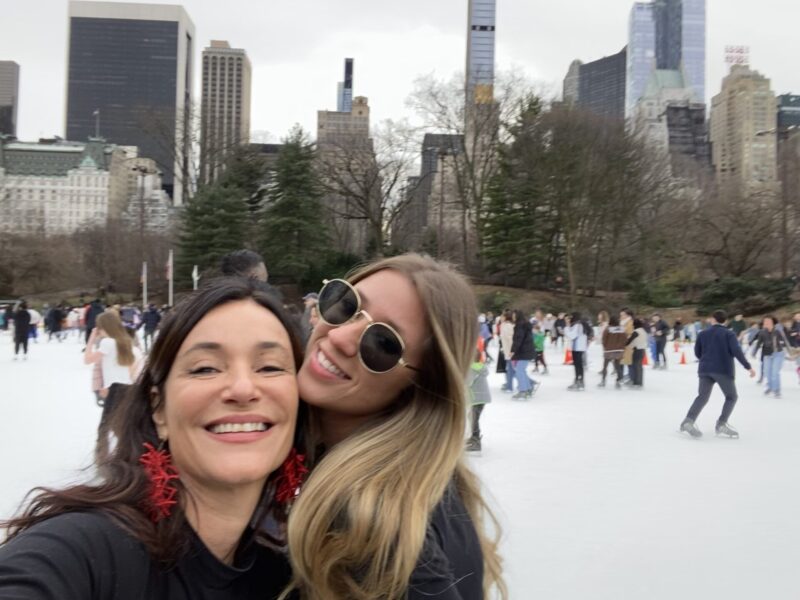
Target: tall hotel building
[130, 81]
[743, 131]
[9, 97]
[225, 115]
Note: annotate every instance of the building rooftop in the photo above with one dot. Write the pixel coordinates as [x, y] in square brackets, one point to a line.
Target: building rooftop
[53, 158]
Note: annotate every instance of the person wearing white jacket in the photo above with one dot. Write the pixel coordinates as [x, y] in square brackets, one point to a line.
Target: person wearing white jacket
[578, 339]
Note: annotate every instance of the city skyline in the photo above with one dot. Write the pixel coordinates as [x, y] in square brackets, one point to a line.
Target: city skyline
[392, 46]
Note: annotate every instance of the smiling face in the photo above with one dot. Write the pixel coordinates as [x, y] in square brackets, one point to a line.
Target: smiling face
[333, 379]
[230, 399]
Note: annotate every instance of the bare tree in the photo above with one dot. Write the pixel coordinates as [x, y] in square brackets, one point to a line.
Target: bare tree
[365, 181]
[442, 107]
[735, 231]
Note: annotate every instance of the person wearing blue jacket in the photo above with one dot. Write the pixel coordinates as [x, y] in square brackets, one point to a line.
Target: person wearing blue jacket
[715, 348]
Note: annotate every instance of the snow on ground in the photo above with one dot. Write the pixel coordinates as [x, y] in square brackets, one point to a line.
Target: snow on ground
[599, 496]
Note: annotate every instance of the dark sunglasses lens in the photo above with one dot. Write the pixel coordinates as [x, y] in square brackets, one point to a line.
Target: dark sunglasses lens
[337, 302]
[380, 349]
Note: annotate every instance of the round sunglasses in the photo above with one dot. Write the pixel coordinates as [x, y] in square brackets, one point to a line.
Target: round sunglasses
[380, 348]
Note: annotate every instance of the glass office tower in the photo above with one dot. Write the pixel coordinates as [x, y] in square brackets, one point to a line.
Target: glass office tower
[130, 81]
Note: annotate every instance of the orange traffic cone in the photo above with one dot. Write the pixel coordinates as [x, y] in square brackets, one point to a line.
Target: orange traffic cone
[683, 358]
[645, 362]
[568, 357]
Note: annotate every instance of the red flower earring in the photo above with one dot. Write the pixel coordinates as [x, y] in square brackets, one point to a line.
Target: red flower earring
[293, 472]
[160, 473]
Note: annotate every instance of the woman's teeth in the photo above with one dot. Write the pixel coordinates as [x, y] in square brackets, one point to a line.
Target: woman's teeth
[238, 427]
[329, 366]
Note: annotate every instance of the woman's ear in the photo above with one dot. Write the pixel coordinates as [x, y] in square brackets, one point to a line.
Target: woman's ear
[159, 419]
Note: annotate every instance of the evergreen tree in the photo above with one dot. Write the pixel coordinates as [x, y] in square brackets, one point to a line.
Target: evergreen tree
[518, 223]
[212, 224]
[293, 236]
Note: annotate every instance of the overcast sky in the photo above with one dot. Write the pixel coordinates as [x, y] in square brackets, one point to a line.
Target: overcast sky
[297, 48]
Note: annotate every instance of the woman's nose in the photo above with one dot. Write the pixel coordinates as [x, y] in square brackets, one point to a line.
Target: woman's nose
[345, 337]
[241, 387]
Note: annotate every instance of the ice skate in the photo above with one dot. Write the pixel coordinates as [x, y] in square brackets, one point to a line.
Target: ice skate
[602, 384]
[535, 388]
[473, 444]
[725, 429]
[576, 387]
[689, 427]
[521, 396]
[618, 385]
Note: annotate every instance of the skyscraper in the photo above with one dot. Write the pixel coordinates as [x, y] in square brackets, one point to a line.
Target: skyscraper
[743, 131]
[130, 81]
[225, 113]
[666, 35]
[344, 100]
[480, 51]
[641, 58]
[601, 86]
[9, 97]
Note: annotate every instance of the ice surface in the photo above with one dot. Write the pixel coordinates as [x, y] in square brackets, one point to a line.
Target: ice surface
[600, 496]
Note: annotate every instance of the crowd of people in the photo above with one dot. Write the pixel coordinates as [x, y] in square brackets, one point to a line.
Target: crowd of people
[247, 450]
[626, 341]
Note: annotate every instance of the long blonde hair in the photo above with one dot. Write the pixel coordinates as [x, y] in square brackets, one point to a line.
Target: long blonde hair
[357, 529]
[112, 325]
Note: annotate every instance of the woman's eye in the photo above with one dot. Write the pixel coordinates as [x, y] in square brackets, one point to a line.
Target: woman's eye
[271, 369]
[202, 371]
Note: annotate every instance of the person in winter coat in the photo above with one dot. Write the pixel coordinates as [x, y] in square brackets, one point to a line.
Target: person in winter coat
[637, 342]
[614, 342]
[716, 347]
[94, 310]
[506, 341]
[22, 325]
[539, 339]
[55, 317]
[150, 319]
[577, 337]
[522, 353]
[559, 326]
[772, 342]
[626, 322]
[660, 333]
[479, 395]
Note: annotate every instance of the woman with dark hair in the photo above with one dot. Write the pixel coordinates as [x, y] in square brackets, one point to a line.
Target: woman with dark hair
[203, 437]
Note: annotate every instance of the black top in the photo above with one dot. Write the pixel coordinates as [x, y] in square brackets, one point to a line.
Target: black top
[451, 564]
[522, 344]
[22, 324]
[87, 556]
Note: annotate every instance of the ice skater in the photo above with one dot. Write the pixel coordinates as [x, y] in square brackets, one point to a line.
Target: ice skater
[715, 348]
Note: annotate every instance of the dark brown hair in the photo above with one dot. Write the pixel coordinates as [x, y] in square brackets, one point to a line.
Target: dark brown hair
[123, 486]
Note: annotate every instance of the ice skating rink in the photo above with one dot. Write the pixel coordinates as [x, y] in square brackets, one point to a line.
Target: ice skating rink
[599, 495]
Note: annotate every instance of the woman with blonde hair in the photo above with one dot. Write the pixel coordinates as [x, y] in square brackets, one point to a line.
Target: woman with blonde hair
[115, 352]
[391, 510]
